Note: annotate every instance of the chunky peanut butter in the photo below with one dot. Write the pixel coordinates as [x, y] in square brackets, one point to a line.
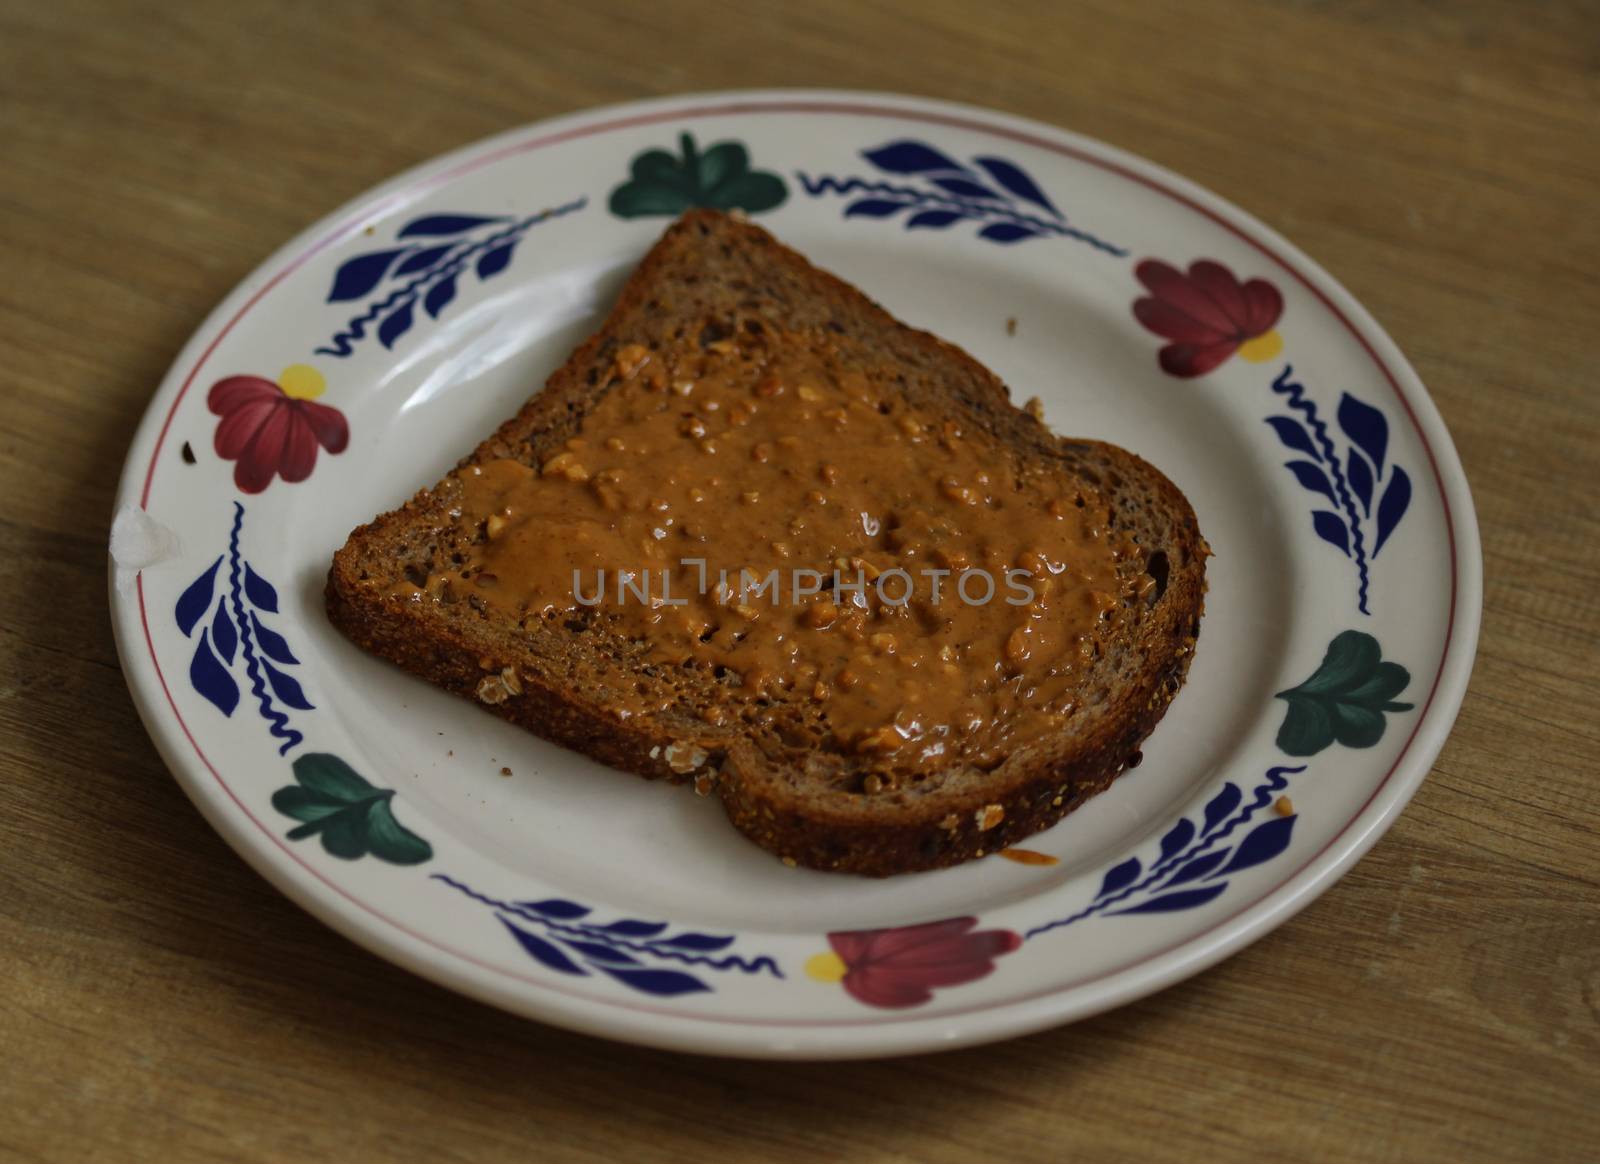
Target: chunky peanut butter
[762, 507]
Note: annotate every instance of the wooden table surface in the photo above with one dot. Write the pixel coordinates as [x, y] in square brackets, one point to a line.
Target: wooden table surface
[159, 1001]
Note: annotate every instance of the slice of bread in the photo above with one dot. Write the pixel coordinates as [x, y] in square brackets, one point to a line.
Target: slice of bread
[717, 288]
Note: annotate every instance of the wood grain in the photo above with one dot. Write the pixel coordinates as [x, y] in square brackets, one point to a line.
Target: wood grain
[161, 1001]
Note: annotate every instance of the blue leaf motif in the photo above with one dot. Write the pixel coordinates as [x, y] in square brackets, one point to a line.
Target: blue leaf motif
[444, 224]
[1006, 232]
[557, 908]
[1191, 871]
[439, 296]
[1331, 529]
[624, 949]
[1294, 436]
[933, 218]
[1311, 477]
[272, 644]
[424, 262]
[1015, 180]
[629, 928]
[664, 983]
[397, 324]
[1263, 843]
[873, 208]
[909, 157]
[1360, 474]
[1365, 425]
[361, 274]
[259, 591]
[211, 678]
[196, 600]
[1177, 837]
[1396, 498]
[599, 952]
[701, 943]
[1169, 902]
[286, 688]
[497, 260]
[1120, 876]
[1221, 805]
[423, 259]
[1197, 868]
[542, 950]
[966, 188]
[223, 636]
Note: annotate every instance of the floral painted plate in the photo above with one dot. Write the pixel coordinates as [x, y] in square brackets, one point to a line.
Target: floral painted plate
[363, 359]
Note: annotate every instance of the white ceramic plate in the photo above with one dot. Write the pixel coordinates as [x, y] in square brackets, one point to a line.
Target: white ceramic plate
[1347, 575]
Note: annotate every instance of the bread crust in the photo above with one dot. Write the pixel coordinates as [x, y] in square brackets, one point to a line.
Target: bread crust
[765, 796]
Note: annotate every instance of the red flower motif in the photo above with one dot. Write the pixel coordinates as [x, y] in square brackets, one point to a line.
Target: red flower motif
[900, 967]
[274, 429]
[1208, 315]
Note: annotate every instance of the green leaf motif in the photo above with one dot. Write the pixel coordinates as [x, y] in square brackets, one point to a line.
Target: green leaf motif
[1345, 700]
[353, 818]
[662, 183]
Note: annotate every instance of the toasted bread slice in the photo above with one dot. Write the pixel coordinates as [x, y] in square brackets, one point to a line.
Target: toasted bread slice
[721, 298]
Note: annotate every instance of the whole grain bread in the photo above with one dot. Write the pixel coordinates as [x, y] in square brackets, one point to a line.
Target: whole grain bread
[778, 778]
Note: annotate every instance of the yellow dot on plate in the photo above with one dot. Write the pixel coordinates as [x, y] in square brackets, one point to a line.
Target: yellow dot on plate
[828, 967]
[302, 381]
[1263, 347]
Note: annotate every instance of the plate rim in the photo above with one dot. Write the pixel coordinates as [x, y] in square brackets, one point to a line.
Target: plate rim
[881, 1034]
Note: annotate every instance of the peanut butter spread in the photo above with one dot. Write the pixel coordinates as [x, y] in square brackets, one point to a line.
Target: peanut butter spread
[761, 507]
